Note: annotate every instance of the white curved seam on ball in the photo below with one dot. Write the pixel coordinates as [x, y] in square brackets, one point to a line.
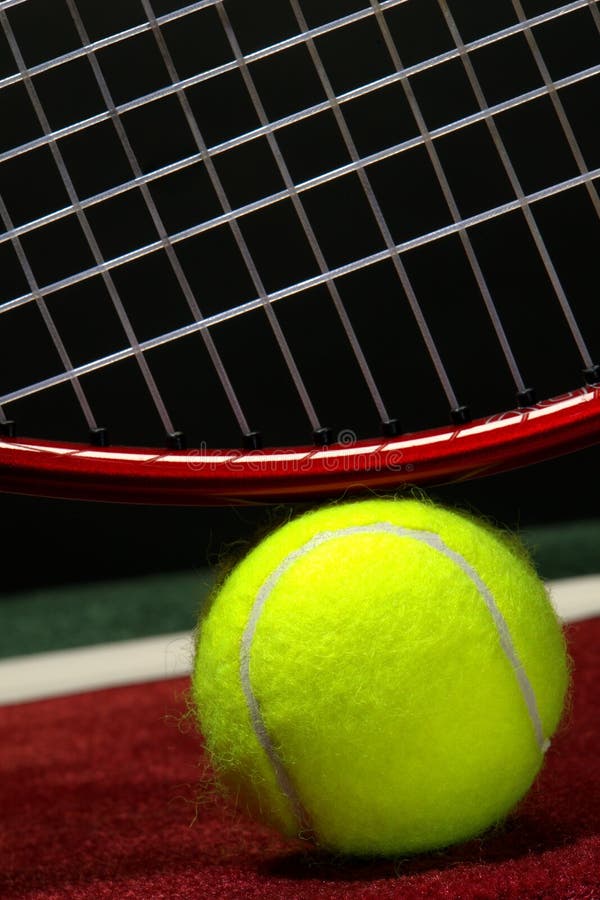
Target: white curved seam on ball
[281, 774]
[426, 537]
[506, 641]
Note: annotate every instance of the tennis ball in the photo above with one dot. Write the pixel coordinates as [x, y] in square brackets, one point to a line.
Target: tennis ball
[381, 676]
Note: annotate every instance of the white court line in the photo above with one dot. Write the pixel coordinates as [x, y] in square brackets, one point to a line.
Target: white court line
[65, 672]
[576, 598]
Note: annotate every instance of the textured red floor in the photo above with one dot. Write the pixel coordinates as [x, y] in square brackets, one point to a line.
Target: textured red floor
[97, 799]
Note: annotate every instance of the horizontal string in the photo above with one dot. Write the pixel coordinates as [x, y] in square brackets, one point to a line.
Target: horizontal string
[339, 172]
[145, 27]
[299, 287]
[395, 77]
[101, 44]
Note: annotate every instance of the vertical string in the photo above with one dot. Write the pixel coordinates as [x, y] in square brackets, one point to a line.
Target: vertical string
[451, 203]
[48, 320]
[557, 103]
[163, 235]
[302, 215]
[517, 188]
[377, 213]
[86, 227]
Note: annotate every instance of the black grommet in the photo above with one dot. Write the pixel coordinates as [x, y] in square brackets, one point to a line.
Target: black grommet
[592, 375]
[8, 428]
[526, 397]
[391, 428]
[322, 436]
[253, 440]
[176, 440]
[461, 415]
[99, 437]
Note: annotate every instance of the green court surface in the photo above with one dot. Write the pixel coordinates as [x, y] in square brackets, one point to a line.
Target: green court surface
[59, 618]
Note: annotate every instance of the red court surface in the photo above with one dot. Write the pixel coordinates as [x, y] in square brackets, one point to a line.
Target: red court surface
[99, 799]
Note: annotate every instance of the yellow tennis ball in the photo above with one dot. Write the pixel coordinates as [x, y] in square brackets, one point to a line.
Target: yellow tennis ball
[382, 676]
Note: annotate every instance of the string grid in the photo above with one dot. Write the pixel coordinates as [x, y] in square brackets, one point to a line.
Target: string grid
[234, 225]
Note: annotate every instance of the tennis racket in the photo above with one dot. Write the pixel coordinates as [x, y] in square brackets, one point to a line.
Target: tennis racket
[292, 249]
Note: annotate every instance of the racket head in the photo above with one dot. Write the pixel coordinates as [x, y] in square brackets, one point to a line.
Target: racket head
[143, 475]
[350, 233]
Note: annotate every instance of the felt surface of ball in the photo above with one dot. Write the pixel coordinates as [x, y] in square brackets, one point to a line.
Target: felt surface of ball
[382, 676]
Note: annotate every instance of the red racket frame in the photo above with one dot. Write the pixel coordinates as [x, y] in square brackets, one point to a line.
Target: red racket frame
[212, 477]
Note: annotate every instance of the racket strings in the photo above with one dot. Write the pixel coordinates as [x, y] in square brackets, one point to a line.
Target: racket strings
[590, 186]
[50, 325]
[161, 230]
[89, 236]
[516, 185]
[588, 176]
[319, 431]
[374, 205]
[270, 50]
[168, 247]
[553, 94]
[292, 190]
[525, 26]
